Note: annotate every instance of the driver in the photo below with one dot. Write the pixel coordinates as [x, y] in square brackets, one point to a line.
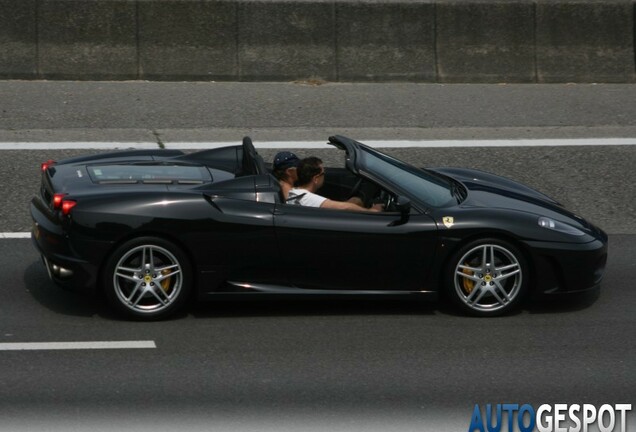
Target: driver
[311, 177]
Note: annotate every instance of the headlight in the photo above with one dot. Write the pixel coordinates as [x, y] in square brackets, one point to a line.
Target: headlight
[561, 227]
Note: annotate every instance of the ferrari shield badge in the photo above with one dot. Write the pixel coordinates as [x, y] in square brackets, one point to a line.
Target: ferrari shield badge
[449, 221]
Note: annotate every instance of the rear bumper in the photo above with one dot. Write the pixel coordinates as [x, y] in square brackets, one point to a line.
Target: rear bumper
[63, 265]
[68, 272]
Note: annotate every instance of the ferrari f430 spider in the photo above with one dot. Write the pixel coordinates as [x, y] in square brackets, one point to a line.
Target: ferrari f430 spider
[154, 228]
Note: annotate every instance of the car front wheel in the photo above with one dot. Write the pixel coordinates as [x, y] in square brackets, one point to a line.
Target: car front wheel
[147, 278]
[487, 277]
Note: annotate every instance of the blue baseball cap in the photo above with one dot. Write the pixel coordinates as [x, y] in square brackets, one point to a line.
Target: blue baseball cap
[285, 159]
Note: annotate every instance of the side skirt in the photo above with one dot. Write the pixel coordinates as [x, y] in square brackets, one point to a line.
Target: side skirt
[235, 289]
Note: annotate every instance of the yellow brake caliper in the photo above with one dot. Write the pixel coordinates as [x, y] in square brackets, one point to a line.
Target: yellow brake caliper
[165, 284]
[468, 284]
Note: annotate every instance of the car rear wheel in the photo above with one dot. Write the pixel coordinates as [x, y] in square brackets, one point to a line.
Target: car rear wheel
[147, 278]
[487, 277]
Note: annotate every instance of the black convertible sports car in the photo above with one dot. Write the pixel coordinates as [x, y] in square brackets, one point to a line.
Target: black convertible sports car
[153, 228]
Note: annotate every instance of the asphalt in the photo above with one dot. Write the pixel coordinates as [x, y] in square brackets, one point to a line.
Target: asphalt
[319, 365]
[129, 111]
[313, 365]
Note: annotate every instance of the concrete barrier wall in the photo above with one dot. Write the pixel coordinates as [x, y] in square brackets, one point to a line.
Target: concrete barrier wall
[342, 40]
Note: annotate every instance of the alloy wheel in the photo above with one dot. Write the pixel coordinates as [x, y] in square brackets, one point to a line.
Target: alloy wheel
[488, 278]
[148, 279]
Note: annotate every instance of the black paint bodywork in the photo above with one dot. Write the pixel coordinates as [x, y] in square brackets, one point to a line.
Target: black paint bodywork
[241, 239]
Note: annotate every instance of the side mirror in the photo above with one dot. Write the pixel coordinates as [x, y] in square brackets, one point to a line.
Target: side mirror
[403, 205]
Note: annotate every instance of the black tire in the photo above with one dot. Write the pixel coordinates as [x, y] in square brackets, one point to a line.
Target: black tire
[480, 288]
[147, 278]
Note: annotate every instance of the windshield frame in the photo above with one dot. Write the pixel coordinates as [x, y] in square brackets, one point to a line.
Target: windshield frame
[409, 180]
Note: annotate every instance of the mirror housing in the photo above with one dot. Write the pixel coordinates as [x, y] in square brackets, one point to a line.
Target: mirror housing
[402, 205]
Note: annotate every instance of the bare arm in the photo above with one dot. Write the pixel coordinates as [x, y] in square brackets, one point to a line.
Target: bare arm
[345, 205]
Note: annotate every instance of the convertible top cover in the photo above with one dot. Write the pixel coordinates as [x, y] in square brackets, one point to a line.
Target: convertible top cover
[149, 173]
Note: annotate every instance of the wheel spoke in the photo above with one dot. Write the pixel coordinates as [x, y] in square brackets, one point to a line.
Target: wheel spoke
[129, 269]
[141, 294]
[127, 277]
[477, 290]
[148, 258]
[507, 267]
[484, 257]
[500, 288]
[168, 267]
[468, 268]
[496, 295]
[159, 278]
[507, 275]
[481, 291]
[163, 293]
[164, 301]
[468, 276]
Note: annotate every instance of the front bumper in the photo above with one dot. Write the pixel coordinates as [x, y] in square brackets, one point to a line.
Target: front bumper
[569, 268]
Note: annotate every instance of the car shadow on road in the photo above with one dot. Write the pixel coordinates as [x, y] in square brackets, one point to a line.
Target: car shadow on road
[57, 299]
[563, 304]
[314, 306]
[536, 305]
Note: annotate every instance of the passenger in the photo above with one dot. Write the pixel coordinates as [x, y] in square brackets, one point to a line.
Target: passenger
[311, 177]
[285, 164]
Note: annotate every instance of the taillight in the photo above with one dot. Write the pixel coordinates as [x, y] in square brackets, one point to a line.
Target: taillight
[60, 203]
[58, 198]
[67, 205]
[45, 165]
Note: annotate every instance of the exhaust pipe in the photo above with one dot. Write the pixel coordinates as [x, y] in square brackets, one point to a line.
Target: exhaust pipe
[55, 270]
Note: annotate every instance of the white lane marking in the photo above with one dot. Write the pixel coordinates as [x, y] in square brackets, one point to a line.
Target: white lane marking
[77, 145]
[507, 143]
[15, 235]
[419, 143]
[322, 144]
[48, 346]
[259, 145]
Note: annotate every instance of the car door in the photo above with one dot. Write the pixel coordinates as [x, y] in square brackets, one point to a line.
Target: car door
[341, 250]
[235, 242]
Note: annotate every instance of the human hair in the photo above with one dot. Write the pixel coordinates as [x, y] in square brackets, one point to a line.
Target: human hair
[307, 169]
[280, 173]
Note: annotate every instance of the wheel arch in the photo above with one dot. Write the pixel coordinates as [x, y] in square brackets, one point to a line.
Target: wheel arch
[488, 234]
[148, 233]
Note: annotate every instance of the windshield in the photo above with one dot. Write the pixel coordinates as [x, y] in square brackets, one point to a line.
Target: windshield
[431, 189]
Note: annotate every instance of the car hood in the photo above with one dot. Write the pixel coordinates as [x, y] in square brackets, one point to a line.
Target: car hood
[487, 190]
